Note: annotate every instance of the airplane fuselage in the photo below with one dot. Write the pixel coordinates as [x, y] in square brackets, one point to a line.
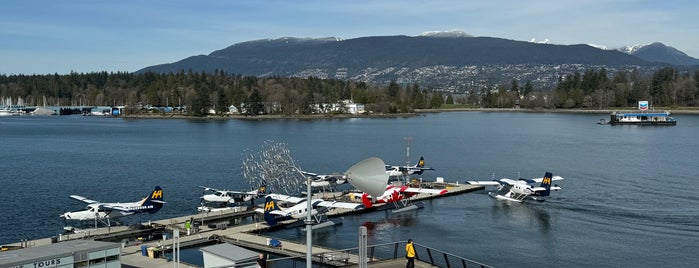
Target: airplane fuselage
[93, 212]
[229, 197]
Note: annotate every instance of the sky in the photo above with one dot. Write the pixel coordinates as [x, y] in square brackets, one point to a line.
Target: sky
[47, 37]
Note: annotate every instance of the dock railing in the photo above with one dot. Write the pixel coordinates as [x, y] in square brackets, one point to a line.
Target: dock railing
[376, 254]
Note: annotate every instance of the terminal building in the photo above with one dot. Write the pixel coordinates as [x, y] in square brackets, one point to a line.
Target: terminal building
[68, 254]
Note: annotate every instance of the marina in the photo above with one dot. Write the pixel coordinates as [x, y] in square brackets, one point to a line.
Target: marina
[614, 197]
[213, 227]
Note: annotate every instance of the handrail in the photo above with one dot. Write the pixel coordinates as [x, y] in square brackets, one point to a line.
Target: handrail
[382, 252]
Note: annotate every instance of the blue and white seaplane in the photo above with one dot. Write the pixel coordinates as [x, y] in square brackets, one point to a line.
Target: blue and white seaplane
[230, 197]
[104, 212]
[418, 168]
[518, 190]
[273, 213]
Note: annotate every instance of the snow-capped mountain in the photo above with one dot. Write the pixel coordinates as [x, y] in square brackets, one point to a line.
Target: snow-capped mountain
[631, 49]
[659, 52]
[545, 41]
[599, 46]
[452, 33]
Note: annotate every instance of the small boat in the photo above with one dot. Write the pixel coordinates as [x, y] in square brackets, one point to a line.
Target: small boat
[8, 112]
[642, 118]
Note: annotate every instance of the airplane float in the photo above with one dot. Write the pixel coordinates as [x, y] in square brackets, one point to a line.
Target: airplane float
[226, 196]
[273, 213]
[518, 190]
[418, 168]
[99, 211]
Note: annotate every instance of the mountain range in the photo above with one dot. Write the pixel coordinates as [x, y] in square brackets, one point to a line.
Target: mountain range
[660, 53]
[438, 60]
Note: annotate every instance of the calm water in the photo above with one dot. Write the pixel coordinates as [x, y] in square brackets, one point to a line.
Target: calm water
[628, 198]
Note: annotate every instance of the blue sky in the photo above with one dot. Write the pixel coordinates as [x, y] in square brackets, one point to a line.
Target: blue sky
[46, 37]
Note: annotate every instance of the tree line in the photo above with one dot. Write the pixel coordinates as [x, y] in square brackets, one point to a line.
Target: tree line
[595, 89]
[200, 92]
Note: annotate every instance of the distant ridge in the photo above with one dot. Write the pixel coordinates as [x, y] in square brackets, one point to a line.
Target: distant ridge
[659, 52]
[437, 59]
[285, 56]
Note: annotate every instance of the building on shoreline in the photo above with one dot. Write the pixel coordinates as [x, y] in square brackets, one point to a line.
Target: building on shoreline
[73, 253]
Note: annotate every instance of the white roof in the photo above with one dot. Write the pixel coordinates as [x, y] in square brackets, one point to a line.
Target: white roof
[230, 252]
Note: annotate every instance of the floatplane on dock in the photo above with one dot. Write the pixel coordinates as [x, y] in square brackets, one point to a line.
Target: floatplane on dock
[218, 200]
[105, 212]
[273, 213]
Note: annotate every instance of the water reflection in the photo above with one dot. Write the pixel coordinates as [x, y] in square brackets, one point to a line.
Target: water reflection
[521, 215]
[387, 225]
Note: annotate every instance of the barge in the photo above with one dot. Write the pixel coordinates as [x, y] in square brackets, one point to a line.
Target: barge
[642, 118]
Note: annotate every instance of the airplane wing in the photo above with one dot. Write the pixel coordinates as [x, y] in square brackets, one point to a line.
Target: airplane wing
[425, 190]
[309, 173]
[83, 199]
[494, 183]
[239, 193]
[335, 204]
[228, 192]
[274, 212]
[538, 180]
[286, 198]
[208, 188]
[541, 189]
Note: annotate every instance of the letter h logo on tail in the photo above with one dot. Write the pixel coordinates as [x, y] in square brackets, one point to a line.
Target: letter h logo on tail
[155, 199]
[270, 205]
[546, 183]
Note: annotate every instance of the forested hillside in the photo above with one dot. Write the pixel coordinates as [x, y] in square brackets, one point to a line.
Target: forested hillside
[200, 92]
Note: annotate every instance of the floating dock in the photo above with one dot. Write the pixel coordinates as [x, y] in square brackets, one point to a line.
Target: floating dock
[213, 227]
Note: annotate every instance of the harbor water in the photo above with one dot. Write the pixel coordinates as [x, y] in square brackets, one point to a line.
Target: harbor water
[628, 198]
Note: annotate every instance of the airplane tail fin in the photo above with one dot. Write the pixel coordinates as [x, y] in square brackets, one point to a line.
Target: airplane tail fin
[546, 183]
[262, 190]
[366, 200]
[270, 205]
[421, 162]
[155, 199]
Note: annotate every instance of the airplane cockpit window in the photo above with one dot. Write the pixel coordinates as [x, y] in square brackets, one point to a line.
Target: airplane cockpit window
[218, 194]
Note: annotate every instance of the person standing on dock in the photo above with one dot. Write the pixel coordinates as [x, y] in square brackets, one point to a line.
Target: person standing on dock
[410, 254]
[261, 261]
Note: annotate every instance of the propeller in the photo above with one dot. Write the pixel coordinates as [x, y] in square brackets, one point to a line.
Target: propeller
[369, 176]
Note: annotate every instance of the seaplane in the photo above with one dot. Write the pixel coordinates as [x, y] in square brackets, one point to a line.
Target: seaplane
[104, 212]
[226, 196]
[325, 181]
[273, 213]
[397, 195]
[519, 190]
[418, 168]
[389, 187]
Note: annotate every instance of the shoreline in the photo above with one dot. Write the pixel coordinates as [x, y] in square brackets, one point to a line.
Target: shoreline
[523, 110]
[417, 112]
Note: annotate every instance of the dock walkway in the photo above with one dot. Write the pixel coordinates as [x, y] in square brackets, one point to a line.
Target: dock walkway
[242, 235]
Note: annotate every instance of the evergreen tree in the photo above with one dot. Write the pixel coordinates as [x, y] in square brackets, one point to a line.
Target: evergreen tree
[254, 104]
[528, 88]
